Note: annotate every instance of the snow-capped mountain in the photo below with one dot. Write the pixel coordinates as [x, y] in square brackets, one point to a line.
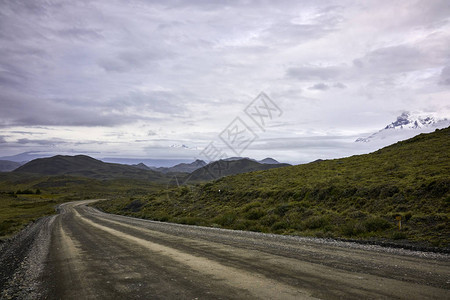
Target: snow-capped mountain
[182, 146]
[406, 126]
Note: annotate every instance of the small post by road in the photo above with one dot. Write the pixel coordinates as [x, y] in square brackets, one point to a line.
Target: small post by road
[399, 219]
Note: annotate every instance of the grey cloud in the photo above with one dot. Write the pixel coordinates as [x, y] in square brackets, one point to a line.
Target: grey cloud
[109, 63]
[51, 142]
[32, 20]
[88, 143]
[293, 32]
[11, 79]
[287, 32]
[2, 140]
[320, 86]
[394, 59]
[79, 33]
[305, 143]
[14, 70]
[152, 101]
[71, 117]
[314, 72]
[37, 7]
[429, 52]
[445, 76]
[428, 13]
[128, 60]
[339, 85]
[27, 132]
[19, 109]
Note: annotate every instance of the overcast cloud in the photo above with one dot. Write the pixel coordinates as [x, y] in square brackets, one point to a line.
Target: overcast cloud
[133, 78]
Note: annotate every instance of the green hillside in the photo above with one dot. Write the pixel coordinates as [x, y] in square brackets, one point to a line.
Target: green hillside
[355, 197]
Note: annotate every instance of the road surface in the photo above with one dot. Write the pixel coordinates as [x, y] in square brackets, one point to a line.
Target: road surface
[83, 253]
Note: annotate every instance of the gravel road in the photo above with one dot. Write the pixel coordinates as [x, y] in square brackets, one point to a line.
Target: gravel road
[83, 253]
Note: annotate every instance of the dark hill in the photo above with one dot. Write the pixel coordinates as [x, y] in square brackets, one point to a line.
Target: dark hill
[82, 165]
[222, 168]
[142, 166]
[269, 160]
[183, 167]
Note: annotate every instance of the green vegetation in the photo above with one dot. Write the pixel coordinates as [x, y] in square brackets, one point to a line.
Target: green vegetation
[27, 197]
[357, 197]
[17, 210]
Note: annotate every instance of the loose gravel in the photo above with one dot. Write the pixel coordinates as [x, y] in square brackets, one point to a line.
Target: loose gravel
[22, 261]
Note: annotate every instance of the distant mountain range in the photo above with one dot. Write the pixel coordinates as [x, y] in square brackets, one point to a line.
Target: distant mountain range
[406, 126]
[149, 162]
[24, 157]
[183, 167]
[232, 166]
[267, 160]
[7, 165]
[85, 166]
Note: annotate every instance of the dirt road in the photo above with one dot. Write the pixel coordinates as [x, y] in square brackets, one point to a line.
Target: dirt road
[82, 253]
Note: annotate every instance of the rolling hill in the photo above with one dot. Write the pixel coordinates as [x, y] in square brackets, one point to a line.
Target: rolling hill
[183, 167]
[85, 166]
[269, 160]
[222, 168]
[359, 197]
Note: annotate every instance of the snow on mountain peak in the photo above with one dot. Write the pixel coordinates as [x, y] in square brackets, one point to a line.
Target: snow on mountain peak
[407, 125]
[408, 120]
[182, 146]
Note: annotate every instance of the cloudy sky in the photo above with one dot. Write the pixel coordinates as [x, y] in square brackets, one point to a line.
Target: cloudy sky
[141, 78]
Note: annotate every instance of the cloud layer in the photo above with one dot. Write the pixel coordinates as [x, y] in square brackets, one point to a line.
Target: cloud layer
[99, 75]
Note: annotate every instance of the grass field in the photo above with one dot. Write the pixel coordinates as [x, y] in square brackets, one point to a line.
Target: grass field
[20, 204]
[16, 211]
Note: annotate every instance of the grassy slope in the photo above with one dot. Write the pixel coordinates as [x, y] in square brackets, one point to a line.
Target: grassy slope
[355, 197]
[17, 209]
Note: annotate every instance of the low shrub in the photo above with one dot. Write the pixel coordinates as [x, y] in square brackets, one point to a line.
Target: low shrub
[255, 214]
[398, 235]
[376, 224]
[226, 219]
